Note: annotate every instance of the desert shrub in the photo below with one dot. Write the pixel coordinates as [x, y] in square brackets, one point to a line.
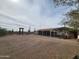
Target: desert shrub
[76, 57]
[3, 32]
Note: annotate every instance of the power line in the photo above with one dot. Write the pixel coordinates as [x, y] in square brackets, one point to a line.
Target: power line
[12, 24]
[13, 19]
[4, 25]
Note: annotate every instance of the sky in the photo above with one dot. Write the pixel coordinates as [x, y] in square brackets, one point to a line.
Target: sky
[34, 14]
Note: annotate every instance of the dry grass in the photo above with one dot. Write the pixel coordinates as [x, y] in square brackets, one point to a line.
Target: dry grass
[37, 47]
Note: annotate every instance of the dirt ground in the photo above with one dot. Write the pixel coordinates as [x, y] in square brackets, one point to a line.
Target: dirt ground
[37, 47]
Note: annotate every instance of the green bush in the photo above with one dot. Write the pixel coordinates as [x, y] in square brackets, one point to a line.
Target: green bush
[3, 32]
[76, 57]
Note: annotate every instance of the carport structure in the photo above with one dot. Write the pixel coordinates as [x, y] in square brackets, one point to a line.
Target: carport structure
[63, 32]
[21, 30]
[47, 32]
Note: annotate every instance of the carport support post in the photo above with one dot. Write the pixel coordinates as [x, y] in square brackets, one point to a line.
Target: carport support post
[46, 33]
[50, 33]
[54, 33]
[22, 30]
[42, 33]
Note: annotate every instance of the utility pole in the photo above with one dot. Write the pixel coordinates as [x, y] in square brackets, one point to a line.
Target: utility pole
[34, 30]
[29, 30]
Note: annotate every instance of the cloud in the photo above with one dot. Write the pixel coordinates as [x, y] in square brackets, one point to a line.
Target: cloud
[40, 13]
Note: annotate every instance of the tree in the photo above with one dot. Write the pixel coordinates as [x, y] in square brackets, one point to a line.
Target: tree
[67, 2]
[72, 17]
[72, 20]
[3, 31]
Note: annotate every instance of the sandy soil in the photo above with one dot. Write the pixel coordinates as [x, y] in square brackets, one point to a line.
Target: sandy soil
[37, 47]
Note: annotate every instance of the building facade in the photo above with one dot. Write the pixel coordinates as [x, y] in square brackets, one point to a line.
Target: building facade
[62, 32]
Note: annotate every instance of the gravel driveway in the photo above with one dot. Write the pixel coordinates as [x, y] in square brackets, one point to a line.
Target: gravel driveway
[37, 47]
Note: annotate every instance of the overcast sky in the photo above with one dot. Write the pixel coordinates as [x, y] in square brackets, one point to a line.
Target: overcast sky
[35, 13]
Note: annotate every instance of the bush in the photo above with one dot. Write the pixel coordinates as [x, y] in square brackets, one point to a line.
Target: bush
[3, 32]
[76, 57]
